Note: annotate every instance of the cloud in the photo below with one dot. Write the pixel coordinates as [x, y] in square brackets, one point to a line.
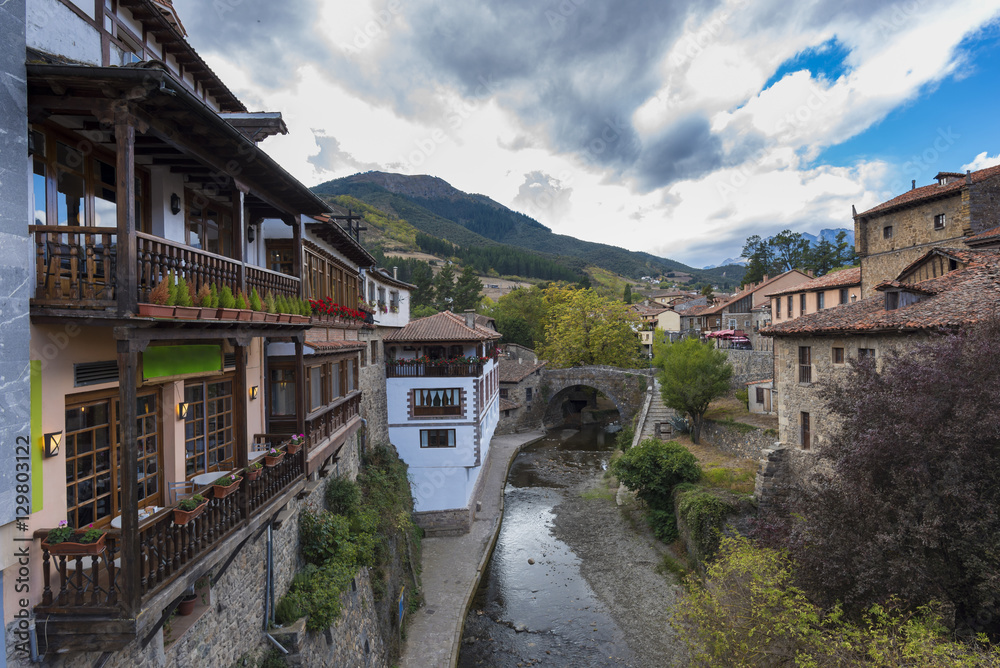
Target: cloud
[331, 158]
[543, 194]
[982, 161]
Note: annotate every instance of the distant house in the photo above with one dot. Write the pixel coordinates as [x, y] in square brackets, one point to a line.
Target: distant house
[521, 407]
[738, 311]
[653, 316]
[760, 396]
[828, 291]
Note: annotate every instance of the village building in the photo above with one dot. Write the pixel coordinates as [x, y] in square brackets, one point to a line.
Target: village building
[738, 311]
[893, 234]
[521, 404]
[761, 396]
[827, 291]
[442, 391]
[653, 316]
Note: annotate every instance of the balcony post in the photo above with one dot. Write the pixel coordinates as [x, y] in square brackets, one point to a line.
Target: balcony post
[300, 391]
[239, 238]
[297, 252]
[129, 576]
[127, 284]
[240, 416]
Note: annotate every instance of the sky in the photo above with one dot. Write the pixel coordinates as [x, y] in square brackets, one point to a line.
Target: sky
[676, 128]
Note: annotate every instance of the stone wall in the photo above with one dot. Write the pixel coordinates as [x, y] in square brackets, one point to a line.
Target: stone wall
[746, 442]
[372, 385]
[781, 469]
[750, 365]
[625, 387]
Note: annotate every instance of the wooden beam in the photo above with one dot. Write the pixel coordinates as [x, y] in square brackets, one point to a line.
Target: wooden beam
[300, 393]
[240, 417]
[239, 245]
[296, 250]
[127, 273]
[129, 576]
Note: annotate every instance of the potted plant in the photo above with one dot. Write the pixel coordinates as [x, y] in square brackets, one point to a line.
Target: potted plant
[203, 299]
[186, 606]
[158, 297]
[254, 470]
[189, 508]
[270, 308]
[272, 457]
[68, 541]
[257, 306]
[226, 485]
[185, 310]
[242, 305]
[296, 444]
[227, 304]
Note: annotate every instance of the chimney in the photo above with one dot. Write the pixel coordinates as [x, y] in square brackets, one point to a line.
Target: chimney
[913, 184]
[764, 279]
[395, 273]
[968, 177]
[470, 319]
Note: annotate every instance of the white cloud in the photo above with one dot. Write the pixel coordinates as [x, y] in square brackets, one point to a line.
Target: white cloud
[982, 161]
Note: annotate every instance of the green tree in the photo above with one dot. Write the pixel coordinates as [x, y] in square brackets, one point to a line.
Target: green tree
[423, 279]
[444, 288]
[468, 290]
[585, 328]
[627, 296]
[517, 308]
[759, 256]
[691, 375]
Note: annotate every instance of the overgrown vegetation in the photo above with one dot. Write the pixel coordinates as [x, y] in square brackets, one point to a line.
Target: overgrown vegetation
[748, 613]
[691, 375]
[367, 523]
[704, 513]
[624, 438]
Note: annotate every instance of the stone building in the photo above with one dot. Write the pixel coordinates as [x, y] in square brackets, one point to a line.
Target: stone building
[653, 316]
[738, 311]
[827, 291]
[521, 405]
[893, 234]
[943, 289]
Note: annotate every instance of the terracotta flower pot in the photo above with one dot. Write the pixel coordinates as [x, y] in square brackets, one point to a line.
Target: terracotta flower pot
[271, 317]
[182, 517]
[258, 316]
[186, 606]
[207, 313]
[222, 491]
[253, 474]
[156, 311]
[300, 319]
[272, 461]
[186, 312]
[293, 447]
[70, 548]
[227, 314]
[244, 315]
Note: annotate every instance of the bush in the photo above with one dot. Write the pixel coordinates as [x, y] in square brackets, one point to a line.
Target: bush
[623, 439]
[288, 610]
[653, 468]
[743, 396]
[704, 514]
[342, 496]
[680, 424]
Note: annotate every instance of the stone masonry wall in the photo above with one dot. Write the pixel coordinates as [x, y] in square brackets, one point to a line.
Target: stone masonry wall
[750, 365]
[745, 443]
[373, 396]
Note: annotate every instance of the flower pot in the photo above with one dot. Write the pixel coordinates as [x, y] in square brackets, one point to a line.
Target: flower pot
[186, 312]
[271, 461]
[222, 491]
[244, 315]
[293, 447]
[156, 311]
[182, 517]
[186, 606]
[207, 313]
[258, 316]
[253, 474]
[271, 317]
[286, 317]
[300, 319]
[70, 548]
[227, 314]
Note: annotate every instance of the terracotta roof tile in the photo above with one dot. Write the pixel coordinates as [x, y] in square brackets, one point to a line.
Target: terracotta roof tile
[512, 372]
[932, 191]
[444, 326]
[990, 235]
[835, 279]
[651, 310]
[960, 297]
[508, 405]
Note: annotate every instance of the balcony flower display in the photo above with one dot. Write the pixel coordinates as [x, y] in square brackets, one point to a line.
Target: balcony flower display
[189, 508]
[254, 470]
[68, 541]
[273, 457]
[328, 307]
[296, 443]
[226, 485]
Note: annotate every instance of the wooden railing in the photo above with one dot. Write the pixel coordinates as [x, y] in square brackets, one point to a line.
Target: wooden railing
[274, 282]
[93, 585]
[74, 266]
[410, 370]
[321, 427]
[158, 257]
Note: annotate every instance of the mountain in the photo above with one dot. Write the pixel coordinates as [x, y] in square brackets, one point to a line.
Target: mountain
[436, 208]
[829, 235]
[727, 262]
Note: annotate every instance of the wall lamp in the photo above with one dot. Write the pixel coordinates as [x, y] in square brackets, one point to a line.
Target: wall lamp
[250, 233]
[182, 410]
[175, 204]
[253, 392]
[52, 443]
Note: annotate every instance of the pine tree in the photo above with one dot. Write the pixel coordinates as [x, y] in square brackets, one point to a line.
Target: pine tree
[423, 279]
[444, 288]
[468, 290]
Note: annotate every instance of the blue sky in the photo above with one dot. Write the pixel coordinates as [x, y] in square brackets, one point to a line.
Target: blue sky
[675, 128]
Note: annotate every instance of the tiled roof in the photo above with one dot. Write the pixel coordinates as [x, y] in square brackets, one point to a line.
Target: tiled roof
[758, 290]
[651, 310]
[959, 297]
[932, 191]
[991, 235]
[326, 346]
[508, 405]
[444, 326]
[835, 279]
[758, 382]
[512, 372]
[963, 255]
[689, 304]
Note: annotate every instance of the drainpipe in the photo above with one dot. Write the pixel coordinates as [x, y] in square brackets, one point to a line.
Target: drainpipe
[33, 641]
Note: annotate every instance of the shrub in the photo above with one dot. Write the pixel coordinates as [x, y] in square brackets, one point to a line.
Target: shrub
[226, 299]
[704, 514]
[255, 302]
[270, 305]
[182, 294]
[241, 301]
[203, 297]
[653, 468]
[342, 495]
[289, 609]
[680, 424]
[215, 296]
[160, 294]
[743, 396]
[623, 440]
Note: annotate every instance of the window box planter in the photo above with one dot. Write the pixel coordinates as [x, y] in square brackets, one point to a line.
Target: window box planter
[271, 317]
[270, 461]
[258, 316]
[222, 491]
[293, 447]
[70, 548]
[244, 315]
[156, 311]
[186, 312]
[300, 319]
[207, 313]
[182, 517]
[228, 314]
[253, 474]
[285, 317]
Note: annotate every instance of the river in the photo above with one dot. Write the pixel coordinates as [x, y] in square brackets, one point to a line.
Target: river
[569, 577]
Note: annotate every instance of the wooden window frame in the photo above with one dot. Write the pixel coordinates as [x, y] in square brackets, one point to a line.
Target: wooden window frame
[940, 221]
[220, 464]
[837, 355]
[218, 209]
[448, 434]
[805, 364]
[454, 410]
[887, 232]
[805, 430]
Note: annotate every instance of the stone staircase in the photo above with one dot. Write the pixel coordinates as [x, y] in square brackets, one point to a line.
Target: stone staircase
[658, 413]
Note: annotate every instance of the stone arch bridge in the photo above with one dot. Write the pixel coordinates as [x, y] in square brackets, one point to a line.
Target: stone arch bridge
[625, 387]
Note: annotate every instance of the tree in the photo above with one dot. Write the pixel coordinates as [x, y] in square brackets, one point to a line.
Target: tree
[911, 504]
[627, 296]
[708, 293]
[444, 288]
[692, 374]
[519, 308]
[585, 328]
[423, 279]
[468, 290]
[759, 256]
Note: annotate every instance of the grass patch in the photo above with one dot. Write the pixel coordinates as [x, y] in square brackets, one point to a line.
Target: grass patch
[598, 493]
[734, 480]
[741, 427]
[673, 566]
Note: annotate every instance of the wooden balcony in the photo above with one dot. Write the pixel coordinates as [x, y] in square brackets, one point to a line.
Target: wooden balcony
[76, 268]
[403, 369]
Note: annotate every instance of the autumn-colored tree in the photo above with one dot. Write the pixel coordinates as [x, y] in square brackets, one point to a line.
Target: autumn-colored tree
[585, 328]
[692, 374]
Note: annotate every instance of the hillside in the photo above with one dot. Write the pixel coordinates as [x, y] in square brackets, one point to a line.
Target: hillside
[434, 207]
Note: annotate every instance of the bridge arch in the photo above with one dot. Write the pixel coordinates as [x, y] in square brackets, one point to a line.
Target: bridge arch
[626, 388]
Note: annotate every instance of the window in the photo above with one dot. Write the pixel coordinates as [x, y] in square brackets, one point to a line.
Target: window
[887, 232]
[527, 394]
[374, 352]
[777, 307]
[209, 441]
[325, 277]
[939, 221]
[280, 257]
[805, 364]
[437, 438]
[335, 381]
[733, 323]
[315, 380]
[838, 355]
[791, 305]
[282, 392]
[820, 301]
[394, 301]
[805, 431]
[209, 228]
[93, 458]
[844, 297]
[866, 353]
[891, 300]
[435, 402]
[351, 374]
[503, 392]
[802, 304]
[760, 395]
[952, 265]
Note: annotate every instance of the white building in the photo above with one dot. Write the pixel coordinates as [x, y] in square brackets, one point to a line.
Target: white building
[443, 403]
[388, 296]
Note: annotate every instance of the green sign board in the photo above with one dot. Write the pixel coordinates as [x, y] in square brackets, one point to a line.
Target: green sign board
[160, 361]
